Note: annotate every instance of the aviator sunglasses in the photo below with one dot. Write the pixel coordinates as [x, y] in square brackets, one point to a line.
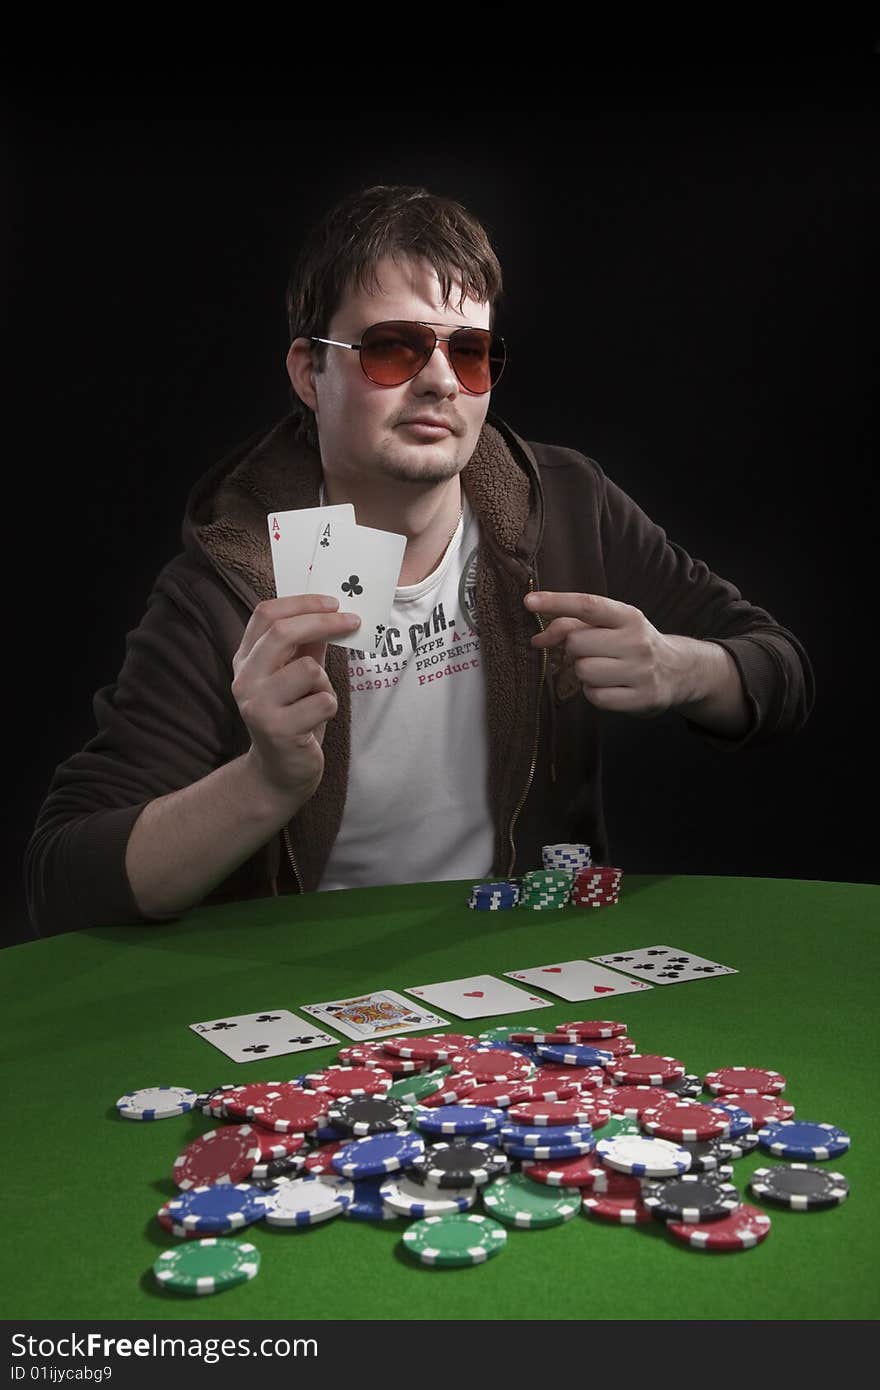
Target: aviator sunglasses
[394, 352]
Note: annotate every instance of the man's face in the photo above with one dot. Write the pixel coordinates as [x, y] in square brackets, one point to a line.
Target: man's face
[362, 427]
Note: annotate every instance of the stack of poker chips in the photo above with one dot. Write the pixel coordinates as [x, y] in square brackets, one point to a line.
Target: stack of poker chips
[596, 887]
[465, 1137]
[544, 889]
[567, 878]
[571, 857]
[492, 897]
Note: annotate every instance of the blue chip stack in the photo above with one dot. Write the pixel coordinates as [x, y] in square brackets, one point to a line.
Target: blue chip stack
[492, 897]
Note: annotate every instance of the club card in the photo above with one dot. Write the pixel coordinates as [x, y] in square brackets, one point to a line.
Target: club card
[381, 1014]
[293, 539]
[578, 979]
[664, 965]
[361, 568]
[274, 1033]
[478, 996]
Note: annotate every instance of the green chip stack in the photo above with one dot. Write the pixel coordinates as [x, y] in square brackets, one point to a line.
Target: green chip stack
[543, 889]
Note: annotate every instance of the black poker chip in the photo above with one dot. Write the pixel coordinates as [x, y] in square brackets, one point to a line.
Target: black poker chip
[690, 1198]
[707, 1155]
[800, 1186]
[459, 1165]
[362, 1115]
[288, 1165]
[740, 1147]
[690, 1086]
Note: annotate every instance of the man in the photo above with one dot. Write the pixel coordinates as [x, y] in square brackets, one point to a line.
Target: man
[242, 752]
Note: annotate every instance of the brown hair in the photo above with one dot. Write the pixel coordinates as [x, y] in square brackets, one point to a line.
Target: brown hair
[386, 220]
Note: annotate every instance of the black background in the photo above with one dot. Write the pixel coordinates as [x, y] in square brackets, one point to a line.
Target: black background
[690, 298]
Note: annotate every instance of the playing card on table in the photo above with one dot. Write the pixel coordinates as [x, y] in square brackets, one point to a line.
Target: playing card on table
[478, 996]
[380, 1014]
[293, 539]
[664, 965]
[360, 568]
[274, 1033]
[578, 979]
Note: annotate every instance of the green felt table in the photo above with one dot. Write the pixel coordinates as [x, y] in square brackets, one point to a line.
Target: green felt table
[92, 1015]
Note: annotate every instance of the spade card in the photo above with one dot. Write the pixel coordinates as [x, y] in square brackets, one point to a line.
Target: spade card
[381, 1014]
[478, 996]
[578, 979]
[293, 539]
[360, 568]
[664, 965]
[274, 1033]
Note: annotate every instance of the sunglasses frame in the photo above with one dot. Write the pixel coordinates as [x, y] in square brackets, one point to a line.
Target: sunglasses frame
[386, 323]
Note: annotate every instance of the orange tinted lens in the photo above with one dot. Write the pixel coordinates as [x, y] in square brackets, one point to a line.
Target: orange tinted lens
[478, 358]
[392, 353]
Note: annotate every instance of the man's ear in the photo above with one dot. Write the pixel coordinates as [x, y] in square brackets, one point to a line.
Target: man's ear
[301, 371]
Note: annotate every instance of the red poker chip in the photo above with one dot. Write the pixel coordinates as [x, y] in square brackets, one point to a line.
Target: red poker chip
[763, 1109]
[606, 1182]
[584, 1171]
[349, 1081]
[587, 1028]
[294, 1110]
[551, 1112]
[647, 1068]
[495, 1064]
[274, 1145]
[686, 1121]
[167, 1222]
[618, 1047]
[244, 1100]
[434, 1047]
[741, 1230]
[223, 1155]
[499, 1094]
[627, 1210]
[536, 1037]
[569, 1079]
[456, 1088]
[745, 1079]
[319, 1160]
[373, 1054]
[633, 1101]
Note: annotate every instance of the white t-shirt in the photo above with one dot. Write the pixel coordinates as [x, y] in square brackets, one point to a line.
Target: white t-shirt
[417, 808]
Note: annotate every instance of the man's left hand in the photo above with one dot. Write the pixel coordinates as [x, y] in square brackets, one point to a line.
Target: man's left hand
[621, 660]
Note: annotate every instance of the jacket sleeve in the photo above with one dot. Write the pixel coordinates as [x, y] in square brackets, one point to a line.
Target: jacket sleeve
[682, 596]
[166, 722]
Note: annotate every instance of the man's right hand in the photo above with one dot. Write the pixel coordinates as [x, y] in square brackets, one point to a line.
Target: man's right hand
[284, 694]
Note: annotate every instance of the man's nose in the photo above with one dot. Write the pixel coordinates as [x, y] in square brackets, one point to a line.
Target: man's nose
[438, 373]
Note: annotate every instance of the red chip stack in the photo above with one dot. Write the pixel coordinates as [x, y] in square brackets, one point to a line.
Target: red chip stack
[596, 887]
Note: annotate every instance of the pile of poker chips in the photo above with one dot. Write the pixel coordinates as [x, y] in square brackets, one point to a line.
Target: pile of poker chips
[468, 1137]
[568, 878]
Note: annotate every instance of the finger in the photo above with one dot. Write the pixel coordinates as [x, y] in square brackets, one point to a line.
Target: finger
[286, 636]
[557, 631]
[271, 609]
[589, 608]
[619, 699]
[598, 673]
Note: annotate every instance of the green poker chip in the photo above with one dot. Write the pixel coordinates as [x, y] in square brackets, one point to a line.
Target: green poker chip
[502, 1034]
[620, 1124]
[207, 1266]
[461, 1238]
[518, 1201]
[412, 1089]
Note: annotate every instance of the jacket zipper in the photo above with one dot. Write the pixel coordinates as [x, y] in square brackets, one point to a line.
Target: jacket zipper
[534, 762]
[292, 860]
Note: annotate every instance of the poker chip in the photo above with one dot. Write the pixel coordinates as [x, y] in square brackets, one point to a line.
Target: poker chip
[707, 1155]
[457, 1164]
[156, 1103]
[621, 1124]
[288, 1165]
[349, 1081]
[367, 1203]
[292, 1109]
[573, 1149]
[319, 1160]
[582, 1171]
[687, 1085]
[221, 1156]
[573, 1054]
[308, 1200]
[377, 1153]
[762, 1109]
[799, 1186]
[647, 1069]
[740, 1122]
[169, 1224]
[546, 1136]
[241, 1102]
[494, 897]
[460, 1119]
[740, 1147]
[218, 1209]
[360, 1115]
[635, 1100]
[497, 1095]
[745, 1079]
[544, 1113]
[462, 1238]
[212, 1103]
[274, 1145]
[491, 1063]
[803, 1139]
[565, 856]
[409, 1198]
[616, 1047]
[415, 1090]
[505, 1034]
[626, 1209]
[686, 1120]
[373, 1054]
[643, 1156]
[559, 1083]
[434, 1047]
[456, 1090]
[207, 1266]
[517, 1201]
[691, 1198]
[741, 1230]
[587, 1028]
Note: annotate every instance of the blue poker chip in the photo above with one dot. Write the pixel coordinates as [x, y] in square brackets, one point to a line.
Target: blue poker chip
[740, 1120]
[367, 1203]
[573, 1054]
[540, 1152]
[378, 1153]
[803, 1139]
[547, 1136]
[460, 1119]
[217, 1209]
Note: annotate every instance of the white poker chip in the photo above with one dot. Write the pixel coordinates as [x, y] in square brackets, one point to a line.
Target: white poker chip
[156, 1103]
[643, 1157]
[417, 1199]
[307, 1200]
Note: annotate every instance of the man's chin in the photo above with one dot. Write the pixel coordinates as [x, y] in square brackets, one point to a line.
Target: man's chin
[421, 470]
